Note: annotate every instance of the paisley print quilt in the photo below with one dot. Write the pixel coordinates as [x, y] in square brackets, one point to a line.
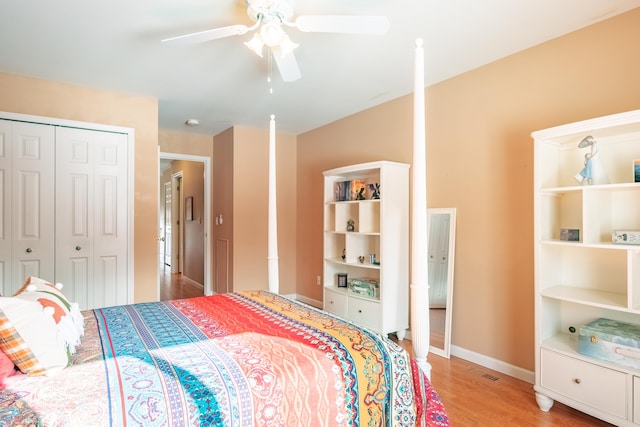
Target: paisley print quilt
[242, 359]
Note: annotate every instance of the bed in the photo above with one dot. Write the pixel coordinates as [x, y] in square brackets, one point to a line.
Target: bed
[241, 359]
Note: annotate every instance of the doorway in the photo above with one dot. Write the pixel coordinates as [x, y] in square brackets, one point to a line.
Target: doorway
[172, 225]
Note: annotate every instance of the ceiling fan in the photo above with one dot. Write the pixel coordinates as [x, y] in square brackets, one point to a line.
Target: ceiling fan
[270, 16]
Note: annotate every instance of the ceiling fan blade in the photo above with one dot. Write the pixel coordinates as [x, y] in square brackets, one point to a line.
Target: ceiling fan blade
[203, 36]
[375, 25]
[287, 65]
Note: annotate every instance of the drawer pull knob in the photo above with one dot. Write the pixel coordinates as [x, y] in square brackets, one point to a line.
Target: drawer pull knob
[78, 248]
[29, 250]
[359, 311]
[577, 380]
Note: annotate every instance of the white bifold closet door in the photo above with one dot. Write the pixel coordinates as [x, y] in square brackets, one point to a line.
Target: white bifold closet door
[91, 216]
[63, 210]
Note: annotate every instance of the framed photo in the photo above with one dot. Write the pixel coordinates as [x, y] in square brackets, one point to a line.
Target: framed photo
[358, 187]
[188, 209]
[342, 280]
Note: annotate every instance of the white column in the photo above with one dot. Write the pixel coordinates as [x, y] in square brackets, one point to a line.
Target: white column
[419, 241]
[272, 257]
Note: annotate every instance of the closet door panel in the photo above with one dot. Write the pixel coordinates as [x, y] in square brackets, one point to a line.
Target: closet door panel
[74, 213]
[91, 246]
[32, 202]
[110, 223]
[5, 207]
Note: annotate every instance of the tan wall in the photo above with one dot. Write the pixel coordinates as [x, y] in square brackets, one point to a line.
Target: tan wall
[250, 208]
[27, 95]
[480, 160]
[223, 206]
[185, 143]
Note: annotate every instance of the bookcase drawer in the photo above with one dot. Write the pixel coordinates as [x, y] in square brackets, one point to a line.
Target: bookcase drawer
[335, 303]
[596, 386]
[363, 312]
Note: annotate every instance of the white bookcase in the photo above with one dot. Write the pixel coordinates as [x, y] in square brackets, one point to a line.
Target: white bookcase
[579, 281]
[381, 227]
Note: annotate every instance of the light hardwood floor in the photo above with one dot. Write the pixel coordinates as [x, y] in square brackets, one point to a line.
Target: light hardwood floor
[476, 396]
[174, 286]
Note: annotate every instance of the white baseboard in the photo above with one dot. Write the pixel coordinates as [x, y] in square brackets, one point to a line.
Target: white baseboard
[192, 282]
[312, 302]
[489, 362]
[495, 364]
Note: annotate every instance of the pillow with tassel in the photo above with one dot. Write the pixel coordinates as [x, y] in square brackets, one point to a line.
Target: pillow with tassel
[28, 337]
[67, 316]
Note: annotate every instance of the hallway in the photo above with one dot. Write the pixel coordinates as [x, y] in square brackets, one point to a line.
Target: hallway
[174, 286]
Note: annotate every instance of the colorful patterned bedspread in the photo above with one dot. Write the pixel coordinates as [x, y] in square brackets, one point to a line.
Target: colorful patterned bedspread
[243, 359]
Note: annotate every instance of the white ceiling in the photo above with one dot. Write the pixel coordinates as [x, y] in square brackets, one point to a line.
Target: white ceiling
[116, 45]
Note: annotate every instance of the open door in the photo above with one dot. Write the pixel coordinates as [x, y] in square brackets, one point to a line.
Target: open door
[171, 201]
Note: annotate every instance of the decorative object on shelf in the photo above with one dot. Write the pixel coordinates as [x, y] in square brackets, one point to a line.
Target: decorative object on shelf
[636, 171]
[361, 259]
[593, 171]
[625, 237]
[570, 234]
[372, 258]
[342, 280]
[351, 225]
[366, 287]
[612, 341]
[357, 189]
[344, 254]
[342, 189]
[374, 190]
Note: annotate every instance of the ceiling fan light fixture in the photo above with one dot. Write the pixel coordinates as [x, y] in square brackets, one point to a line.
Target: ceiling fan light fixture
[287, 46]
[255, 44]
[271, 33]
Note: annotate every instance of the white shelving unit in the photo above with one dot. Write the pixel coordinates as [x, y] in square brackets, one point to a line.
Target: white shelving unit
[381, 227]
[579, 281]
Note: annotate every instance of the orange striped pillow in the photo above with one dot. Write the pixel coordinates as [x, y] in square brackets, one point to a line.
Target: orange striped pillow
[28, 337]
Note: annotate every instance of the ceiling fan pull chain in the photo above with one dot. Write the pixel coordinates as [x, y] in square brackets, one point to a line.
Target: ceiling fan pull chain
[270, 71]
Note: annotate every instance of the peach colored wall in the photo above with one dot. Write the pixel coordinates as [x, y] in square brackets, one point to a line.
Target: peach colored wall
[223, 186]
[185, 143]
[38, 97]
[480, 160]
[250, 207]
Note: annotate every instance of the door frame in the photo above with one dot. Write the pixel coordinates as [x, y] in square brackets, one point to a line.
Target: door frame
[177, 215]
[208, 286]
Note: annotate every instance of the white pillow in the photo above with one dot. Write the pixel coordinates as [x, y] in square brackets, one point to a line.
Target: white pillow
[67, 315]
[28, 336]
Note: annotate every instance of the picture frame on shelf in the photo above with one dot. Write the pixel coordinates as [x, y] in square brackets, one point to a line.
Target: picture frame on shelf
[373, 190]
[342, 280]
[342, 191]
[358, 188]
